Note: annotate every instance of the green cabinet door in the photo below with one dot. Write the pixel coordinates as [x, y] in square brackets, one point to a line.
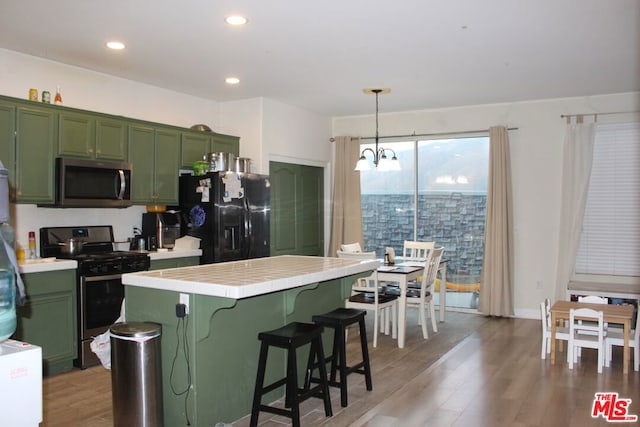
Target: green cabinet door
[111, 139]
[7, 142]
[48, 319]
[167, 165]
[91, 136]
[297, 213]
[77, 134]
[225, 144]
[155, 155]
[141, 148]
[193, 147]
[35, 160]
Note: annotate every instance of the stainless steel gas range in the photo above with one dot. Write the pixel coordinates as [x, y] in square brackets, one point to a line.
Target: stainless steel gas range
[99, 286]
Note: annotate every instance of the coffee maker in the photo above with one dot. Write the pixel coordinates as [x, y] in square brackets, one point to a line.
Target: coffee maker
[160, 229]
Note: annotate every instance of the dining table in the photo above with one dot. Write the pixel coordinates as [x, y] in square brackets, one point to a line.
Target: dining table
[612, 313]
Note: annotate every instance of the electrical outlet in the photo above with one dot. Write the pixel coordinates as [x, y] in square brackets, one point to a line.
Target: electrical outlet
[184, 299]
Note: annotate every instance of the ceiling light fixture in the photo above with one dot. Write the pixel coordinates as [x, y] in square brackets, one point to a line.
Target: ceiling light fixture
[115, 45]
[380, 160]
[235, 20]
[232, 80]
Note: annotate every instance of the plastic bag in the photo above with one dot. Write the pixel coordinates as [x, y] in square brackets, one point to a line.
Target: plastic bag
[101, 344]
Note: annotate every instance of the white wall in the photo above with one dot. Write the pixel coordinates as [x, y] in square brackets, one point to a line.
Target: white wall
[295, 135]
[273, 131]
[536, 156]
[245, 118]
[103, 93]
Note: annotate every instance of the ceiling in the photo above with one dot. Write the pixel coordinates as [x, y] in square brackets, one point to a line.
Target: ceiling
[320, 55]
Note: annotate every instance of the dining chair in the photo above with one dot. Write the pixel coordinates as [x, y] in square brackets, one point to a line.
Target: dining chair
[579, 340]
[422, 297]
[366, 294]
[356, 255]
[413, 250]
[594, 299]
[562, 333]
[616, 337]
[351, 247]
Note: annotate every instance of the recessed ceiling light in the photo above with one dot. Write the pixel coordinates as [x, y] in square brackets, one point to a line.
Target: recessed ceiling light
[235, 20]
[232, 80]
[115, 45]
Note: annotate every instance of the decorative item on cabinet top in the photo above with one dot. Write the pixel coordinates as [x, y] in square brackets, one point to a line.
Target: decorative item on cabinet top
[201, 127]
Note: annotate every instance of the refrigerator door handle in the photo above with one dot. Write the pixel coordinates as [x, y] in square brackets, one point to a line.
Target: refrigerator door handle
[247, 228]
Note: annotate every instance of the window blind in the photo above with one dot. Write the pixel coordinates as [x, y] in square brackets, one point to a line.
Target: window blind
[610, 241]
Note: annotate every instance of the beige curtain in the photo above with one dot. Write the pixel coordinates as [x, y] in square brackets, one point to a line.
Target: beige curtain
[346, 219]
[576, 168]
[496, 289]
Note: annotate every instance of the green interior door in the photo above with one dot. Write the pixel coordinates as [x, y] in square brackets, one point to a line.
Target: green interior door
[297, 194]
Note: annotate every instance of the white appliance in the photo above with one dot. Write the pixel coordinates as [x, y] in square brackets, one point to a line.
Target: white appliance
[20, 384]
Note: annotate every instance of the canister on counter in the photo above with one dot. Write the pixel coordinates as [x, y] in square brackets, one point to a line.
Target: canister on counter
[33, 94]
[46, 97]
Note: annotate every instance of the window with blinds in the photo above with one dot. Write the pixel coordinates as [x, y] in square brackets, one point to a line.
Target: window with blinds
[610, 242]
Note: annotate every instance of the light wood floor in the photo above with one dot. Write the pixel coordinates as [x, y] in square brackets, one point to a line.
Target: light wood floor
[476, 371]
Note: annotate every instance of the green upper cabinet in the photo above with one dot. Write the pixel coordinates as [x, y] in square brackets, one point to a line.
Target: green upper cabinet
[7, 141]
[33, 134]
[195, 145]
[92, 137]
[225, 144]
[154, 153]
[35, 160]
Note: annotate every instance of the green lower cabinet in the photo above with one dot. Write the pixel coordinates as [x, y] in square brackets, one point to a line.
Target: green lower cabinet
[48, 319]
[161, 264]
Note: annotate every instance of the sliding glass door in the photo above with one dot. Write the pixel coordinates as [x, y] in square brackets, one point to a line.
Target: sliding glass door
[439, 195]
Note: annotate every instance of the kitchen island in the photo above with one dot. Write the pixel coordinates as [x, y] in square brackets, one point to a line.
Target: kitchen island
[216, 346]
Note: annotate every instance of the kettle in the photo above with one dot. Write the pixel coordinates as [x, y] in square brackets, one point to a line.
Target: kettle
[136, 243]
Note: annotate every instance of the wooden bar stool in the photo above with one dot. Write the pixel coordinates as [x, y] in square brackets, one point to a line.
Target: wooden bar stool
[339, 319]
[290, 337]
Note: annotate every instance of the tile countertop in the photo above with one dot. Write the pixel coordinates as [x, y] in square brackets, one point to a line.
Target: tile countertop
[246, 278]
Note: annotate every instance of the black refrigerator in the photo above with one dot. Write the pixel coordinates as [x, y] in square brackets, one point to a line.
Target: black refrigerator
[229, 212]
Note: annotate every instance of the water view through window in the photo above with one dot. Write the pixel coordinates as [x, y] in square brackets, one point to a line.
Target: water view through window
[439, 195]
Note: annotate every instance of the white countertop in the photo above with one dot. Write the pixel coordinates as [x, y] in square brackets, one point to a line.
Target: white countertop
[183, 253]
[40, 265]
[246, 278]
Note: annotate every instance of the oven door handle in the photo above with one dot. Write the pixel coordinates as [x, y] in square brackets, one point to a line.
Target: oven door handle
[88, 279]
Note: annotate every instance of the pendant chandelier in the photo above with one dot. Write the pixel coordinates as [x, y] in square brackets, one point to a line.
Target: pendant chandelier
[380, 160]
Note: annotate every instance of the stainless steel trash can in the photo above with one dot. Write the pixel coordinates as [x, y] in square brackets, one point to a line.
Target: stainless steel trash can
[136, 375]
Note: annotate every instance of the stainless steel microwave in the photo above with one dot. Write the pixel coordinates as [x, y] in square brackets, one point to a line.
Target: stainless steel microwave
[83, 183]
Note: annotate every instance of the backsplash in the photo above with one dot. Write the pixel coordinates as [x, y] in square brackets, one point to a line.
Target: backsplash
[25, 218]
